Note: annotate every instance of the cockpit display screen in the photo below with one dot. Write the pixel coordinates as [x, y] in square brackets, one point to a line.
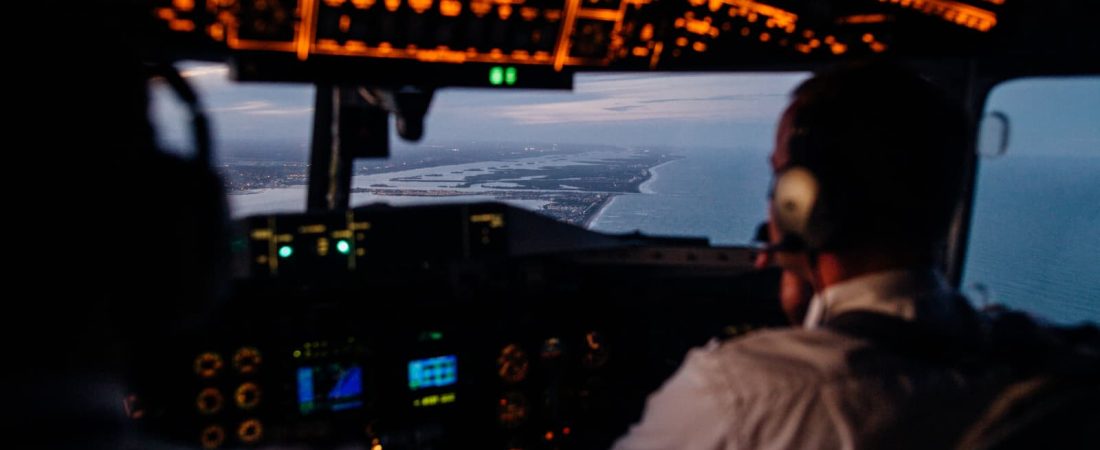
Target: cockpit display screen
[329, 387]
[434, 372]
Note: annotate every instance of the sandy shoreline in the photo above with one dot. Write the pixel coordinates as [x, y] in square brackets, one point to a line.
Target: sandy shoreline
[592, 218]
[643, 188]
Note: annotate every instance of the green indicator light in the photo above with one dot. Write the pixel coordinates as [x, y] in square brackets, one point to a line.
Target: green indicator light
[435, 335]
[496, 75]
[285, 251]
[343, 246]
[510, 76]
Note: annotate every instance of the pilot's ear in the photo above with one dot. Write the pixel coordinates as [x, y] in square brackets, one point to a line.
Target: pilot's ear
[794, 296]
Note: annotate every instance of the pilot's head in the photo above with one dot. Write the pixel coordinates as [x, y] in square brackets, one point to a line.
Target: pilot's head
[869, 160]
[138, 243]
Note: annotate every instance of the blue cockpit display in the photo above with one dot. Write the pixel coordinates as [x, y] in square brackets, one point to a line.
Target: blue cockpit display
[433, 372]
[329, 387]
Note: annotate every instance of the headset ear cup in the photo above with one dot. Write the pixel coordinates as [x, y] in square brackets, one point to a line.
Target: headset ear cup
[794, 203]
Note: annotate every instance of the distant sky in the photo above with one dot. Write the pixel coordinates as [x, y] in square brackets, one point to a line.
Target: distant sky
[1052, 116]
[687, 110]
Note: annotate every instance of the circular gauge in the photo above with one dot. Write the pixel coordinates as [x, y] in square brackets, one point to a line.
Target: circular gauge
[212, 436]
[209, 401]
[595, 355]
[208, 364]
[593, 340]
[551, 348]
[512, 410]
[133, 407]
[512, 364]
[250, 431]
[247, 396]
[247, 360]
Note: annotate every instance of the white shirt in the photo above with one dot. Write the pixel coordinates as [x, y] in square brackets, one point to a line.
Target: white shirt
[798, 388]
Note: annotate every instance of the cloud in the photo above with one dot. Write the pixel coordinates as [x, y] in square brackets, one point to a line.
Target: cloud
[251, 105]
[720, 97]
[621, 108]
[205, 70]
[263, 108]
[670, 97]
[295, 111]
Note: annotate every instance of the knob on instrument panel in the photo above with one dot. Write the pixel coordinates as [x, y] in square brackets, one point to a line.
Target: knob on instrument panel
[247, 360]
[512, 364]
[208, 364]
[209, 401]
[212, 437]
[512, 411]
[247, 396]
[250, 431]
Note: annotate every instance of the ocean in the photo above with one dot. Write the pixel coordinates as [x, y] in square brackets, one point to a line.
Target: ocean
[721, 195]
[1035, 239]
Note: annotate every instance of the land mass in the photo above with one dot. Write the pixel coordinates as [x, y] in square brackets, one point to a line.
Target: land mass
[571, 183]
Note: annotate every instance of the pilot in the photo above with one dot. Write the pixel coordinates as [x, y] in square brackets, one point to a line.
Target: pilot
[132, 246]
[868, 168]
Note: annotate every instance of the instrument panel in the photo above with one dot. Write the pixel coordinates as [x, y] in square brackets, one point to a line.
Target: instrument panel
[535, 334]
[535, 43]
[446, 392]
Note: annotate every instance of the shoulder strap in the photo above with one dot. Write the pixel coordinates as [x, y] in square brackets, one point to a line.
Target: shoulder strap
[915, 339]
[888, 332]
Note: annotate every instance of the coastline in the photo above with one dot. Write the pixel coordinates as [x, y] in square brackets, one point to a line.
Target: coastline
[643, 188]
[249, 191]
[592, 187]
[591, 220]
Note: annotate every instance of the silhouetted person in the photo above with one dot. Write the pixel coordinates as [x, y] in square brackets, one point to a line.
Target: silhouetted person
[868, 168]
[131, 242]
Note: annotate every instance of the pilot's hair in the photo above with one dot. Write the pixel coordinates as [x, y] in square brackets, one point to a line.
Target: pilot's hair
[889, 149]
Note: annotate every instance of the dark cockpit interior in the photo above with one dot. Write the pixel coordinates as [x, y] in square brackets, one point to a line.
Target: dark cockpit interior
[473, 325]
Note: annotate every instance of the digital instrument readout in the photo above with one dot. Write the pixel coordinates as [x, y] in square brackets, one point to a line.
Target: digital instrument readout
[329, 387]
[434, 372]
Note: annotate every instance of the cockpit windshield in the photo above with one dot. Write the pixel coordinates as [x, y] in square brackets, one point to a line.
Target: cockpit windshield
[664, 154]
[673, 155]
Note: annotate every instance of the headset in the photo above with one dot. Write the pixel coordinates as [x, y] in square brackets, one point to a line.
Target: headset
[794, 199]
[864, 151]
[200, 128]
[798, 199]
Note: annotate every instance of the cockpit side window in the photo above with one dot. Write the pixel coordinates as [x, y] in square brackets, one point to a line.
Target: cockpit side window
[261, 135]
[1034, 243]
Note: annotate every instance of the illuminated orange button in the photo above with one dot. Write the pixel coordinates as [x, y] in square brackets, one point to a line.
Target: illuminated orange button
[450, 8]
[419, 6]
[184, 5]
